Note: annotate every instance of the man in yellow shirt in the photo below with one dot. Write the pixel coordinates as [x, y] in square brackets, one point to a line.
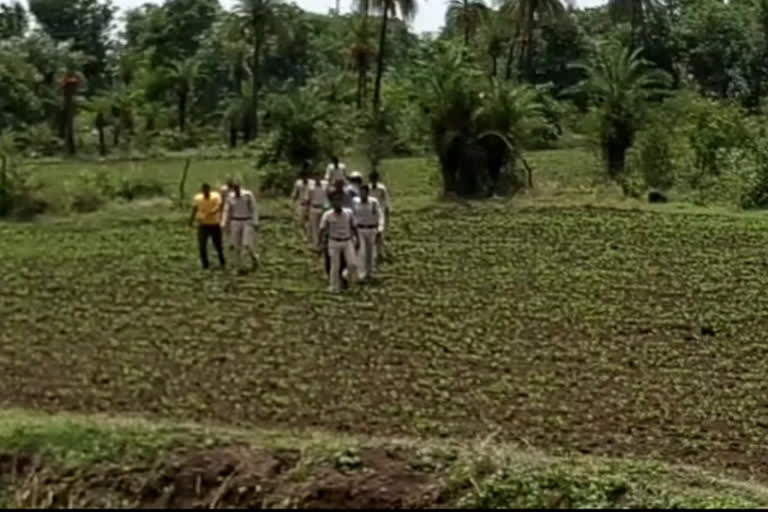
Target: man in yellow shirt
[207, 213]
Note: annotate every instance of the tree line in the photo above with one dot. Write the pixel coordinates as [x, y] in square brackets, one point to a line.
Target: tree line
[293, 85]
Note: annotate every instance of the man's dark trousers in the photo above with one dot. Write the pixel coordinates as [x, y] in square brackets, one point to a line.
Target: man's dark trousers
[212, 231]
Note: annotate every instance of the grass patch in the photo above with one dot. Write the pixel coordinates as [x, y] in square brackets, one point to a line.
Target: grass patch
[376, 470]
[74, 440]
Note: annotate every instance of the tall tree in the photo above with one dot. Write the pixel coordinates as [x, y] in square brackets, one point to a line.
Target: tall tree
[101, 106]
[526, 14]
[634, 11]
[70, 83]
[407, 10]
[620, 84]
[494, 34]
[258, 18]
[361, 52]
[182, 75]
[87, 23]
[172, 31]
[13, 20]
[465, 15]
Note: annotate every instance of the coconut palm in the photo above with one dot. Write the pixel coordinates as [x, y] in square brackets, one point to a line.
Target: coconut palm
[258, 18]
[407, 10]
[182, 75]
[526, 14]
[361, 53]
[494, 34]
[620, 84]
[465, 15]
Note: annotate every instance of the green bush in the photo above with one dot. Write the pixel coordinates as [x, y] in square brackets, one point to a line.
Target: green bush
[40, 140]
[276, 179]
[86, 199]
[20, 195]
[755, 191]
[135, 188]
[651, 158]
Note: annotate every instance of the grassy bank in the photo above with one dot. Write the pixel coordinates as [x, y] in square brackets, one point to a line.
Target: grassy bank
[87, 461]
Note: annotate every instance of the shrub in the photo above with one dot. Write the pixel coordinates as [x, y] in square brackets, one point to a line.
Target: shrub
[130, 188]
[20, 195]
[276, 179]
[651, 158]
[86, 199]
[40, 140]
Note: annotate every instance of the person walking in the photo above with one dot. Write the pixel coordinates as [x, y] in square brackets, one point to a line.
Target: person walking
[240, 220]
[335, 171]
[337, 226]
[225, 190]
[206, 212]
[381, 193]
[300, 198]
[318, 198]
[355, 182]
[368, 220]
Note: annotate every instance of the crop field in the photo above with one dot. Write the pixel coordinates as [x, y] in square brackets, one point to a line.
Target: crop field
[593, 330]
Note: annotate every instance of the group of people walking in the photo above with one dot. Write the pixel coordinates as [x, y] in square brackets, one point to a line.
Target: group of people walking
[345, 219]
[227, 215]
[342, 218]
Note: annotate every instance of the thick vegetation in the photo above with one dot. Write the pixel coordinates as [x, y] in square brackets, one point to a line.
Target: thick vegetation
[279, 85]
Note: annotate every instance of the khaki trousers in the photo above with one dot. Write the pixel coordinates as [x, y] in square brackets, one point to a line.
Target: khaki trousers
[335, 249]
[366, 255]
[315, 214]
[241, 237]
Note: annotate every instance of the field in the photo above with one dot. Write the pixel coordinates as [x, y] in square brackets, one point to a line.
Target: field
[621, 332]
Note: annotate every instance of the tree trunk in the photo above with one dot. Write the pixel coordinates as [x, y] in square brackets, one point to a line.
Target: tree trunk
[380, 63]
[102, 139]
[360, 78]
[116, 129]
[511, 57]
[4, 206]
[69, 120]
[494, 65]
[182, 111]
[466, 23]
[232, 135]
[256, 82]
[529, 47]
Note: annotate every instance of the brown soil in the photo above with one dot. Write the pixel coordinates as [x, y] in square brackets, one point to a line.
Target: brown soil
[235, 476]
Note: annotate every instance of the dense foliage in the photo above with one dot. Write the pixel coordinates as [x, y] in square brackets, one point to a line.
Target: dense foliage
[499, 79]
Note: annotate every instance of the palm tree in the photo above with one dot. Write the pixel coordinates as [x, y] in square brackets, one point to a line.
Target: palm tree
[494, 33]
[69, 84]
[101, 106]
[234, 107]
[508, 116]
[526, 14]
[636, 11]
[465, 15]
[361, 53]
[620, 84]
[407, 9]
[182, 75]
[258, 17]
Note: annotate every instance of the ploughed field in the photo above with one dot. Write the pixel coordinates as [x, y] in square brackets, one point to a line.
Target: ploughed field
[586, 330]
